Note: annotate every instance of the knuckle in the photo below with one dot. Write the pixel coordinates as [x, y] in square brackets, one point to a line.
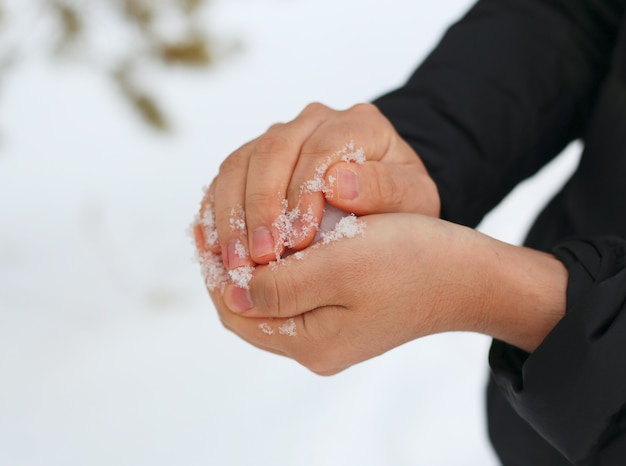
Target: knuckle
[367, 109]
[276, 127]
[232, 163]
[319, 362]
[319, 354]
[269, 296]
[260, 200]
[315, 108]
[390, 193]
[271, 143]
[315, 361]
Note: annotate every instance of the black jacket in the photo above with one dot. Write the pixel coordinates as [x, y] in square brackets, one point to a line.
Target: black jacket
[508, 87]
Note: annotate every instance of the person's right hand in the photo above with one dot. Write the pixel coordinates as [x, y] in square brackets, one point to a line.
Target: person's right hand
[301, 161]
[405, 277]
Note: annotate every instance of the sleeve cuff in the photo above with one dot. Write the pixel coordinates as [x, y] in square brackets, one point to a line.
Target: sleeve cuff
[572, 389]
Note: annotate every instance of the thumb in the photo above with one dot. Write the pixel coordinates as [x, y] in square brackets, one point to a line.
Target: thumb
[377, 187]
[299, 283]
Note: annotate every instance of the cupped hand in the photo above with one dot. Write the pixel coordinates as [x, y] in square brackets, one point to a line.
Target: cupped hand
[344, 302]
[279, 182]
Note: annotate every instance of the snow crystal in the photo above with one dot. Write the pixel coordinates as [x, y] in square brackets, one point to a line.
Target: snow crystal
[213, 271]
[335, 225]
[241, 276]
[241, 250]
[237, 219]
[331, 217]
[265, 328]
[293, 225]
[215, 274]
[348, 227]
[207, 222]
[317, 185]
[288, 328]
[352, 155]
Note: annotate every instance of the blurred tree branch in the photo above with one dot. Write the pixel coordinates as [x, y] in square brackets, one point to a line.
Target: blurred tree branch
[160, 33]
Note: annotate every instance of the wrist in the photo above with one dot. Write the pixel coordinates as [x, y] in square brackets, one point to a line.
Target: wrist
[527, 295]
[511, 293]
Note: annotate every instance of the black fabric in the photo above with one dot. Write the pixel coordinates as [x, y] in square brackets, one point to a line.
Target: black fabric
[572, 389]
[509, 86]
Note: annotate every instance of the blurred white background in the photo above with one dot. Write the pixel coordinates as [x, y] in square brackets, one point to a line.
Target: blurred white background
[110, 349]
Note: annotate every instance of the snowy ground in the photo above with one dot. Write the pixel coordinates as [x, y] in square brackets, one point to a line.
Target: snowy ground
[110, 350]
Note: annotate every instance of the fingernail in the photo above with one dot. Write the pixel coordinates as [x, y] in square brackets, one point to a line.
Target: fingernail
[347, 185]
[238, 299]
[262, 242]
[237, 254]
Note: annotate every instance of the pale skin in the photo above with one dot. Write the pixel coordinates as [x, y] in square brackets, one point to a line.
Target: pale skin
[411, 274]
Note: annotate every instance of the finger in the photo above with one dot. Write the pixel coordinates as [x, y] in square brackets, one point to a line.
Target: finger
[229, 198]
[272, 224]
[255, 332]
[204, 229]
[252, 330]
[310, 339]
[351, 136]
[321, 275]
[375, 187]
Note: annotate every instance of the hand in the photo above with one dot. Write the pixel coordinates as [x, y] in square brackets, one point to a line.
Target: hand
[406, 277]
[301, 161]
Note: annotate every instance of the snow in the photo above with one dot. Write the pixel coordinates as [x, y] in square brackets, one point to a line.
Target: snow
[214, 273]
[348, 154]
[241, 276]
[293, 225]
[240, 250]
[208, 223]
[347, 227]
[111, 352]
[237, 220]
[332, 216]
[288, 328]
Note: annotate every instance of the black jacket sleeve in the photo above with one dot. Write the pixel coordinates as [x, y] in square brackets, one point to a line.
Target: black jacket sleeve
[505, 90]
[572, 389]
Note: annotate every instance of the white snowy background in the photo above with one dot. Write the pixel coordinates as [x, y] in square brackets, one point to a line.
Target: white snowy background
[110, 349]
